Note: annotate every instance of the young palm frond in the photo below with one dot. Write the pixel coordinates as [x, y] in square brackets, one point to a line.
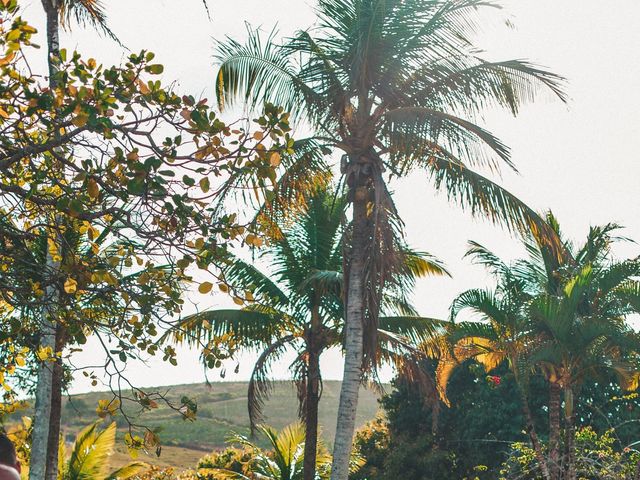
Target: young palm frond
[90, 454]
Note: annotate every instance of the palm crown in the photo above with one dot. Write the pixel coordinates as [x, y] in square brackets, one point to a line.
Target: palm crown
[299, 302]
[396, 80]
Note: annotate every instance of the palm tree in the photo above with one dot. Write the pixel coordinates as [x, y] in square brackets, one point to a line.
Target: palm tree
[563, 313]
[582, 330]
[502, 334]
[89, 458]
[285, 459]
[48, 405]
[395, 85]
[298, 305]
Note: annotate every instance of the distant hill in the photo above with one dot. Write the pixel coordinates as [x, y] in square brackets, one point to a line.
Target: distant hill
[222, 408]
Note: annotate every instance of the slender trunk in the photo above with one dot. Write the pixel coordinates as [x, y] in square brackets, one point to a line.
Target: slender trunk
[535, 441]
[554, 430]
[53, 443]
[51, 8]
[311, 412]
[44, 387]
[570, 434]
[44, 462]
[353, 340]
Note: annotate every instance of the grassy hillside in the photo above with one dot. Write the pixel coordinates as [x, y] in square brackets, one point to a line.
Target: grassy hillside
[221, 408]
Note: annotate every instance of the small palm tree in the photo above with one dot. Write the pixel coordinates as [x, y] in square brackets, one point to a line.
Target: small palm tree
[89, 458]
[563, 313]
[284, 460]
[396, 86]
[298, 305]
[502, 333]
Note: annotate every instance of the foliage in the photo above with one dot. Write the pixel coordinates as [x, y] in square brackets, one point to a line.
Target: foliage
[105, 182]
[90, 454]
[562, 314]
[156, 473]
[231, 459]
[597, 457]
[88, 458]
[284, 460]
[476, 429]
[298, 301]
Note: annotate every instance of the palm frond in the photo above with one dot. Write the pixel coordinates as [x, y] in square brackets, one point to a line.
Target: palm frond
[254, 328]
[417, 329]
[91, 451]
[127, 471]
[86, 13]
[260, 384]
[260, 71]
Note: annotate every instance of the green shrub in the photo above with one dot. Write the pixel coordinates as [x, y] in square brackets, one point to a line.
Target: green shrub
[231, 459]
[597, 457]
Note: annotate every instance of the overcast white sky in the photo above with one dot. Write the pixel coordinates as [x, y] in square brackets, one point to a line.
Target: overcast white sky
[580, 160]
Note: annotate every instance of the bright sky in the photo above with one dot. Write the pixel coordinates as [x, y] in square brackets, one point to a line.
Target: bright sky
[580, 160]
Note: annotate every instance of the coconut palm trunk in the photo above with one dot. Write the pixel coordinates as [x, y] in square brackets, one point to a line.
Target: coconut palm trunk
[48, 407]
[354, 335]
[554, 430]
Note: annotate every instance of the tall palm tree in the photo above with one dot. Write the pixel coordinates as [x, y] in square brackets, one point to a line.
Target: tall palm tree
[396, 86]
[298, 305]
[48, 405]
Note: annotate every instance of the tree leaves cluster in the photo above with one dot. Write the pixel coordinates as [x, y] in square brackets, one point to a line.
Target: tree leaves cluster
[106, 181]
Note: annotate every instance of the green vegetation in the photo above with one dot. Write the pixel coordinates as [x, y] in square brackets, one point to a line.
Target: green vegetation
[395, 87]
[120, 199]
[299, 307]
[222, 408]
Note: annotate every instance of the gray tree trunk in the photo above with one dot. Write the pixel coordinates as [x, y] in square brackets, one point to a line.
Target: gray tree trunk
[46, 425]
[353, 340]
[533, 435]
[554, 430]
[311, 414]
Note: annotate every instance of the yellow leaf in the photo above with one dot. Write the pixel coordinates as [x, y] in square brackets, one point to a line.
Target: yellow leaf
[223, 287]
[7, 58]
[205, 287]
[238, 301]
[144, 89]
[70, 286]
[204, 184]
[275, 159]
[80, 120]
[92, 188]
[258, 136]
[20, 361]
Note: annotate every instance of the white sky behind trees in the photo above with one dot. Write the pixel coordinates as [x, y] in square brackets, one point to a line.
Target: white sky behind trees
[581, 159]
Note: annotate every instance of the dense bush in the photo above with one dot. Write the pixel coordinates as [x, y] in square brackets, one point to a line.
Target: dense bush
[476, 435]
[597, 457]
[231, 459]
